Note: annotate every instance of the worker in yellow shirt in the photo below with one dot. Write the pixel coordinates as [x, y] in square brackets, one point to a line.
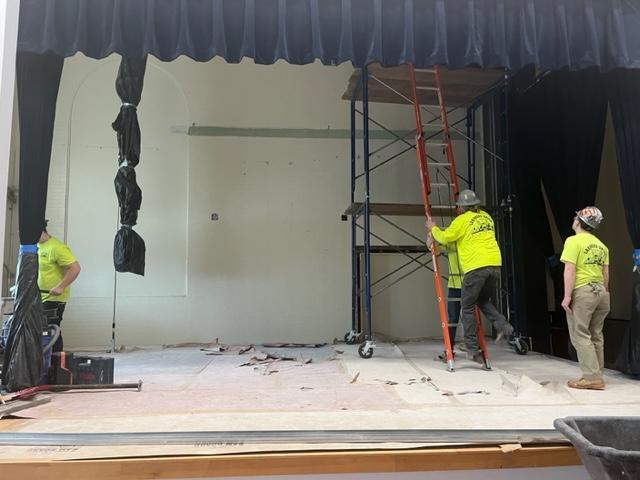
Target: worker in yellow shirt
[473, 233]
[454, 290]
[57, 269]
[454, 286]
[586, 296]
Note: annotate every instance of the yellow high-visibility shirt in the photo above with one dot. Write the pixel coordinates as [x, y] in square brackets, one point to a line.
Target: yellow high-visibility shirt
[455, 272]
[474, 235]
[54, 257]
[589, 255]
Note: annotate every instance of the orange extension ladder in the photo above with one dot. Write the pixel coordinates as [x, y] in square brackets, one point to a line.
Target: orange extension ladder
[424, 163]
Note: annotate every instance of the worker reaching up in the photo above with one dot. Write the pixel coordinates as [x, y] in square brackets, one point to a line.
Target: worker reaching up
[473, 233]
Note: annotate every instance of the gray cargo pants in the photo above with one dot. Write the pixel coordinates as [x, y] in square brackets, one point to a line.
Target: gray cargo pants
[590, 306]
[478, 286]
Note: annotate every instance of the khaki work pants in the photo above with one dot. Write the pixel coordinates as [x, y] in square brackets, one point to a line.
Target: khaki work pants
[590, 306]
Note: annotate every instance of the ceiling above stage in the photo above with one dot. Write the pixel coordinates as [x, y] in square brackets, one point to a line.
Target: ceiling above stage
[460, 87]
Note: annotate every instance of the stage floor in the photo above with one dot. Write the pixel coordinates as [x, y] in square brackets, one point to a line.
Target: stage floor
[323, 388]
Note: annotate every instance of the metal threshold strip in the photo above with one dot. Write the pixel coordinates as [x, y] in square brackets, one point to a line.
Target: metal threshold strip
[283, 437]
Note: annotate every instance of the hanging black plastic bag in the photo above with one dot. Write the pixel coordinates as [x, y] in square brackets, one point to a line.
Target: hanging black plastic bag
[23, 355]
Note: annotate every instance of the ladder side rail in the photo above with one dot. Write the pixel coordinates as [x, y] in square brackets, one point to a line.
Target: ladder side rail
[447, 134]
[421, 158]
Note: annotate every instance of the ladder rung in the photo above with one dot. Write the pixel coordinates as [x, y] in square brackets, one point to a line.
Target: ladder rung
[436, 144]
[454, 299]
[452, 324]
[440, 184]
[438, 164]
[432, 89]
[442, 206]
[424, 70]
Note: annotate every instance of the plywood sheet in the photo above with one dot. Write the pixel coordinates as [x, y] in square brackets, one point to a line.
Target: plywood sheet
[460, 87]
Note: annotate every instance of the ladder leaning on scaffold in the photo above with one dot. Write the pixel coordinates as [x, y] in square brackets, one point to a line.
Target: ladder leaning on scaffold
[425, 162]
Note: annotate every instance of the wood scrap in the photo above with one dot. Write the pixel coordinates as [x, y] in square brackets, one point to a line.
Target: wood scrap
[510, 447]
[465, 392]
[355, 378]
[262, 358]
[244, 350]
[210, 344]
[386, 382]
[423, 380]
[293, 345]
[216, 350]
[19, 405]
[125, 349]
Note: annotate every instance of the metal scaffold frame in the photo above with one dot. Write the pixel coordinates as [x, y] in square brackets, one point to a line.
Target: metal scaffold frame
[360, 213]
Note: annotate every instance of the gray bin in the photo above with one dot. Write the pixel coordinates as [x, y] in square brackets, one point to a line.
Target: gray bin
[609, 447]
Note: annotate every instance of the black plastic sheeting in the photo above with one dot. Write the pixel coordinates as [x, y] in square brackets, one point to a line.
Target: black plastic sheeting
[553, 34]
[128, 247]
[23, 364]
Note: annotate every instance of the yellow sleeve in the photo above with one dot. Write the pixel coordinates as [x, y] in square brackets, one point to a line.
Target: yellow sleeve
[451, 234]
[64, 257]
[570, 251]
[606, 258]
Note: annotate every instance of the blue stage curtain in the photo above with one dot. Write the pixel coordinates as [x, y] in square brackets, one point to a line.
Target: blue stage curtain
[551, 34]
[624, 99]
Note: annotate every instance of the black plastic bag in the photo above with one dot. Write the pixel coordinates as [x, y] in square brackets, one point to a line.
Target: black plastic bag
[129, 195]
[128, 247]
[23, 364]
[129, 252]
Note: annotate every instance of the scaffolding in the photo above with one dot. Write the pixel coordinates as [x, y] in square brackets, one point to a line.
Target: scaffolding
[471, 90]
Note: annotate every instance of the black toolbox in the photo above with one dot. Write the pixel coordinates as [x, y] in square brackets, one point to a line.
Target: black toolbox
[70, 368]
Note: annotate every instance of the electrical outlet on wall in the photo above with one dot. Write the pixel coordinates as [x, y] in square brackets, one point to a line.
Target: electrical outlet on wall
[215, 217]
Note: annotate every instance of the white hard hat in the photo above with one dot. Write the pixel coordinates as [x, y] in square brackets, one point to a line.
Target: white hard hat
[591, 216]
[467, 198]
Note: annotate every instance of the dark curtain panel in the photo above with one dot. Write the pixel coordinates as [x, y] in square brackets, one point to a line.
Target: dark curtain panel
[38, 79]
[570, 141]
[557, 134]
[552, 34]
[573, 114]
[128, 247]
[624, 99]
[532, 239]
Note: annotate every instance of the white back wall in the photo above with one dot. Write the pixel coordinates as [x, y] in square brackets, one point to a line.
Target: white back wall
[276, 265]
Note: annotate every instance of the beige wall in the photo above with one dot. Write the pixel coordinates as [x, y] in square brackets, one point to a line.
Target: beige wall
[276, 265]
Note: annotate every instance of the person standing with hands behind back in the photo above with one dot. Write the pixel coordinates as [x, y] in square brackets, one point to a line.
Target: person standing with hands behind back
[586, 296]
[57, 269]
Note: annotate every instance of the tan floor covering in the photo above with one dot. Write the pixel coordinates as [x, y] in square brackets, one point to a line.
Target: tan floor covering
[187, 390]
